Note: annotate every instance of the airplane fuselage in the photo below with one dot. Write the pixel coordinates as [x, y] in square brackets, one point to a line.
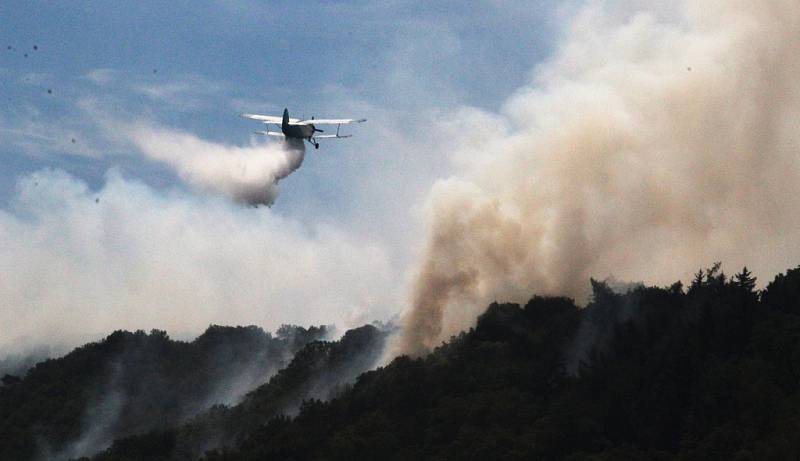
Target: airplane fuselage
[298, 131]
[301, 132]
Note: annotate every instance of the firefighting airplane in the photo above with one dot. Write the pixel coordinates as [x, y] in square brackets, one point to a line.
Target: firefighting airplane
[292, 128]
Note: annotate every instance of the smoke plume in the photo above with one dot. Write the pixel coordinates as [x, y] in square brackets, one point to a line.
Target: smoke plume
[651, 144]
[80, 263]
[245, 174]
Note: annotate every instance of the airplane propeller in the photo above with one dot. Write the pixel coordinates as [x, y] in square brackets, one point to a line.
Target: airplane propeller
[315, 128]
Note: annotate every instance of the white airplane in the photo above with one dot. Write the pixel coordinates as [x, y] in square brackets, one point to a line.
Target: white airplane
[292, 128]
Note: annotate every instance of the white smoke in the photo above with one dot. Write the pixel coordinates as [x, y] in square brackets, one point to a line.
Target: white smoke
[654, 142]
[78, 264]
[245, 174]
[98, 422]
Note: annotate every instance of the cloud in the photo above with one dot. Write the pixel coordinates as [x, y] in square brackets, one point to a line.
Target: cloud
[651, 144]
[35, 79]
[102, 76]
[181, 91]
[80, 263]
[184, 92]
[240, 105]
[31, 133]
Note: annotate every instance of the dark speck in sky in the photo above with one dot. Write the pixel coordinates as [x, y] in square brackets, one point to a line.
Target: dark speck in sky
[35, 47]
[49, 91]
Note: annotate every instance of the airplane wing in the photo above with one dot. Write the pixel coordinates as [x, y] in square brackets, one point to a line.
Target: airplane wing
[332, 136]
[270, 133]
[268, 118]
[329, 121]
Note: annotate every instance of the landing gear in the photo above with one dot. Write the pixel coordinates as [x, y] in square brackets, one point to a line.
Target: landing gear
[316, 145]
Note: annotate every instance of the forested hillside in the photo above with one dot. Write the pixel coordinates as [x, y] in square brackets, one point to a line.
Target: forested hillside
[134, 382]
[321, 370]
[708, 371]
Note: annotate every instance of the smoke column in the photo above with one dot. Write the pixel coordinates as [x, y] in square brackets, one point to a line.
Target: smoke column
[651, 144]
[245, 174]
[80, 263]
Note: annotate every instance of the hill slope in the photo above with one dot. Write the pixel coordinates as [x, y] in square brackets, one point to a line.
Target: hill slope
[712, 372]
[134, 382]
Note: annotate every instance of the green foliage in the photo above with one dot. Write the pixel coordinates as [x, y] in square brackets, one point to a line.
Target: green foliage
[132, 383]
[707, 373]
[712, 373]
[321, 369]
[783, 293]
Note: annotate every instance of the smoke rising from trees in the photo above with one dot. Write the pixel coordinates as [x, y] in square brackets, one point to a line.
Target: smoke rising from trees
[646, 147]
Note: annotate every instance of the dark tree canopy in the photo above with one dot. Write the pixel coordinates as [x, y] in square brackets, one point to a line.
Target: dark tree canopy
[711, 372]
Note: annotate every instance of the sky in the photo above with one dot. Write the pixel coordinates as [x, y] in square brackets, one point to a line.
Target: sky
[193, 66]
[512, 148]
[100, 69]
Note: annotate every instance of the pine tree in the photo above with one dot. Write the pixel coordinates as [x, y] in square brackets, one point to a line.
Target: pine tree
[745, 280]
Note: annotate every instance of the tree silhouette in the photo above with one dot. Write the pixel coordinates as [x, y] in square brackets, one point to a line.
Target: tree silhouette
[708, 373]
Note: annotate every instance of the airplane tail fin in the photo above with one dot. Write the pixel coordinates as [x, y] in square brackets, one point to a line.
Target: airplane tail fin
[285, 123]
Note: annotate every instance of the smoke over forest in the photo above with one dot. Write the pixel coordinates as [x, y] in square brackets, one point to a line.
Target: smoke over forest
[554, 305]
[696, 371]
[646, 147]
[132, 383]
